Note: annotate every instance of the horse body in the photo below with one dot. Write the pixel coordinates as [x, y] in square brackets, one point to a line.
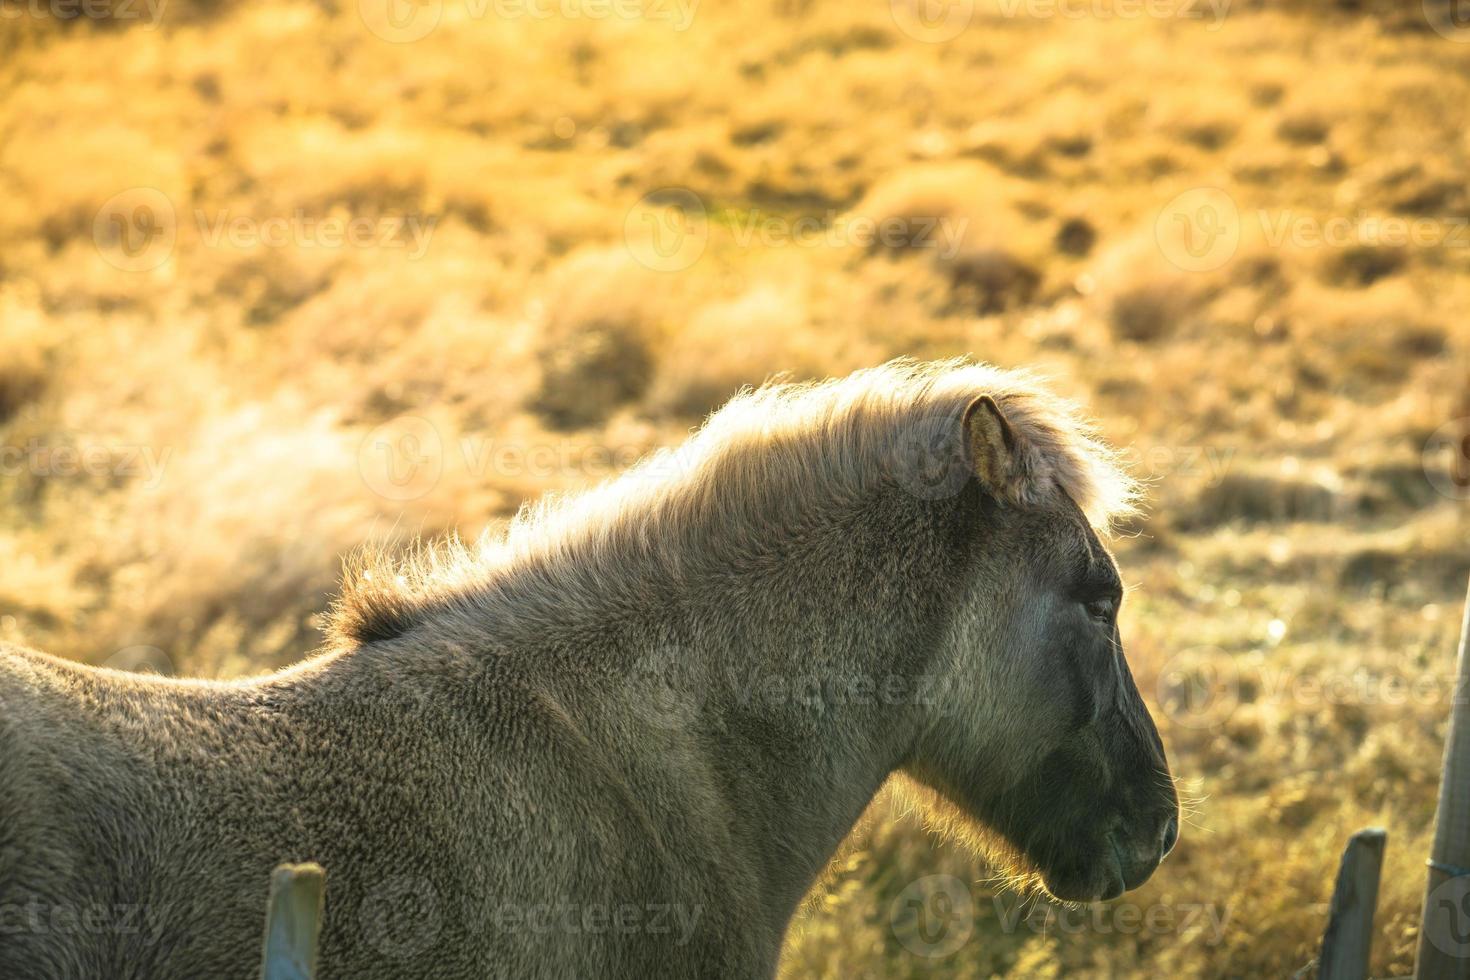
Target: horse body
[625, 741]
[472, 829]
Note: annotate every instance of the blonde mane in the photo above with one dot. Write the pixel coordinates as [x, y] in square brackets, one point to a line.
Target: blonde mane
[769, 459]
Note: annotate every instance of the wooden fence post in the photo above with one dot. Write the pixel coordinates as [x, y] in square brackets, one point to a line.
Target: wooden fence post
[1349, 936]
[293, 922]
[1444, 929]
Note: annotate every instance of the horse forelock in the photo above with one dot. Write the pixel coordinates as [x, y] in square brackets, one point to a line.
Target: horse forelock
[775, 451]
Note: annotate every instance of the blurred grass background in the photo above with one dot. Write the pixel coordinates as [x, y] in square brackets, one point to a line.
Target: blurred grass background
[582, 231]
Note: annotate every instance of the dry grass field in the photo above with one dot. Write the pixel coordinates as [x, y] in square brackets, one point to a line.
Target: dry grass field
[280, 278]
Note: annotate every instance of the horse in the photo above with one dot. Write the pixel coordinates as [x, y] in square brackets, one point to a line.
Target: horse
[623, 737]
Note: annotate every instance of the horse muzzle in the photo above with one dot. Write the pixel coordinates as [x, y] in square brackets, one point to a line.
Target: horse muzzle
[1137, 857]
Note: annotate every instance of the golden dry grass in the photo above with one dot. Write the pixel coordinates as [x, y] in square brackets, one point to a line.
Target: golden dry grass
[587, 231]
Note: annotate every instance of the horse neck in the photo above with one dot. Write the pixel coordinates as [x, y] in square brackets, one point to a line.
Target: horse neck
[789, 661]
[809, 669]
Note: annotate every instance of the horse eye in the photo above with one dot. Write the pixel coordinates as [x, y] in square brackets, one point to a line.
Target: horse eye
[1101, 610]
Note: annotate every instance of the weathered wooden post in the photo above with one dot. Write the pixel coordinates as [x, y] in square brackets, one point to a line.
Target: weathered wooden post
[1349, 936]
[1444, 931]
[293, 922]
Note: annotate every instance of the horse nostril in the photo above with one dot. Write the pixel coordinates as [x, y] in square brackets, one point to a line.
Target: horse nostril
[1171, 835]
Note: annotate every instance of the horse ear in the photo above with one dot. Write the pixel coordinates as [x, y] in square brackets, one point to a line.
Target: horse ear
[994, 448]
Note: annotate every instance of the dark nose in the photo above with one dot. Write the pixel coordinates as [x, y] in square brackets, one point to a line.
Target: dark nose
[1171, 835]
